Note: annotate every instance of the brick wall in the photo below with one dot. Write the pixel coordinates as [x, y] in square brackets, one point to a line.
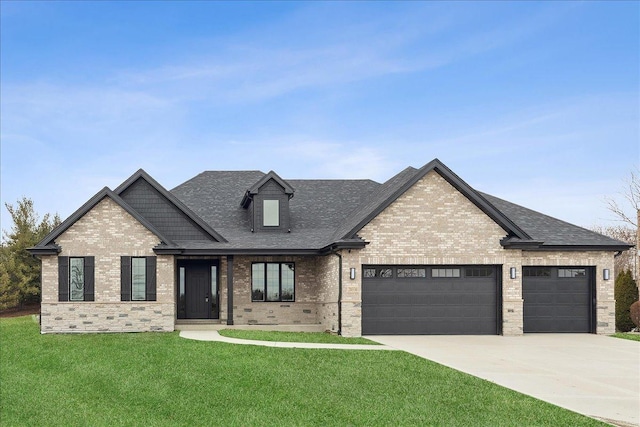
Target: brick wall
[303, 311]
[108, 232]
[327, 291]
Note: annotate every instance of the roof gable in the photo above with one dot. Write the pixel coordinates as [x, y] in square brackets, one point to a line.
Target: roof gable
[288, 189]
[255, 188]
[406, 179]
[47, 244]
[164, 210]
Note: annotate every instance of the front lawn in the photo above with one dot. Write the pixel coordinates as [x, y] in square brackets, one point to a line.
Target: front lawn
[627, 336]
[314, 337]
[161, 379]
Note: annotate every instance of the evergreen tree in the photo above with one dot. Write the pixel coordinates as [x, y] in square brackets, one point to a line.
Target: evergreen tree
[626, 293]
[19, 271]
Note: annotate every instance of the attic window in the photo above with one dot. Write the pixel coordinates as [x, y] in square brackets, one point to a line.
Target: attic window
[271, 213]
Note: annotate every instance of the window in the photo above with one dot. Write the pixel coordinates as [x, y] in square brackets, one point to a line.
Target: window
[445, 272]
[478, 272]
[271, 213]
[272, 281]
[536, 272]
[182, 298]
[381, 272]
[369, 272]
[138, 278]
[412, 272]
[571, 272]
[75, 278]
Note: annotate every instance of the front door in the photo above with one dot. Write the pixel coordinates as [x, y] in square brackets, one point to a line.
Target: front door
[198, 290]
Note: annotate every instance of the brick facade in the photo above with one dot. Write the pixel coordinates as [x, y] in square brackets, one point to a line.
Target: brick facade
[316, 293]
[432, 223]
[107, 232]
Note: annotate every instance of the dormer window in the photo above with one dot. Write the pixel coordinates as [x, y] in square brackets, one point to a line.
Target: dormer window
[267, 204]
[271, 213]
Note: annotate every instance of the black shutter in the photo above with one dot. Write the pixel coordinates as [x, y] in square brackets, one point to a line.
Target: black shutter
[63, 278]
[125, 278]
[151, 278]
[89, 278]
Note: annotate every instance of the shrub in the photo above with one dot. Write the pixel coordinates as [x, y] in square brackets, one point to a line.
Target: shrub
[626, 293]
[635, 314]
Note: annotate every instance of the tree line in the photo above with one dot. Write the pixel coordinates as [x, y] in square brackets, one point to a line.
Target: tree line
[19, 271]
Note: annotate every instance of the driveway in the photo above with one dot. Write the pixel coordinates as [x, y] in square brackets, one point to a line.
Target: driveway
[594, 375]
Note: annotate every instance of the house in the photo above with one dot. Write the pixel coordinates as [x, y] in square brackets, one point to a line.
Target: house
[423, 253]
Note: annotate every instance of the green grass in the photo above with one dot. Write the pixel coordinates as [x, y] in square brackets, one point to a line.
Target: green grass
[160, 379]
[315, 337]
[627, 336]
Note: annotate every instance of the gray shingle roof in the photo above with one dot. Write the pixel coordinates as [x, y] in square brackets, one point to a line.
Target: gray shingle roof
[322, 212]
[317, 208]
[551, 231]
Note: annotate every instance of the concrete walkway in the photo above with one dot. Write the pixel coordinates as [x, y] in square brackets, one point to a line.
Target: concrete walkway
[215, 336]
[594, 375]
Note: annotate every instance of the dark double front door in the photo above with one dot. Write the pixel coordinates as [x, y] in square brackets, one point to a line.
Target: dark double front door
[198, 290]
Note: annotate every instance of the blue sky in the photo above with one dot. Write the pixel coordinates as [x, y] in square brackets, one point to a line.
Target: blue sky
[534, 102]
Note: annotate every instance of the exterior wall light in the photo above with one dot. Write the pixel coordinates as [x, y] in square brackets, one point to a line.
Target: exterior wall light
[352, 273]
[512, 272]
[606, 275]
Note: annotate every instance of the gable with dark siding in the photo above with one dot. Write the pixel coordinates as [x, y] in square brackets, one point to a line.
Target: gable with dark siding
[160, 212]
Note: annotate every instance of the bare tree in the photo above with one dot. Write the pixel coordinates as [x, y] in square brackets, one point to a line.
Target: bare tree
[627, 259]
[628, 214]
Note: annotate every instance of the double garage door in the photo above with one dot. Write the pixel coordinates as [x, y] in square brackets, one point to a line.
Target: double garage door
[466, 300]
[412, 300]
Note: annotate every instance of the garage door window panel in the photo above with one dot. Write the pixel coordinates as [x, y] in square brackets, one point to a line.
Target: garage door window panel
[445, 272]
[571, 272]
[403, 272]
[536, 272]
[472, 272]
[378, 272]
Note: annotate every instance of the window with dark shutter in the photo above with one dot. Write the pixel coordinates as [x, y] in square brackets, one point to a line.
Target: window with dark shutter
[76, 278]
[137, 278]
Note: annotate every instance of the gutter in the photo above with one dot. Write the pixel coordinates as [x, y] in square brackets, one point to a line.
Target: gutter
[339, 292]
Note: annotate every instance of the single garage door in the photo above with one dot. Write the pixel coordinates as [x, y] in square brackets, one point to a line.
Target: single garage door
[430, 300]
[558, 299]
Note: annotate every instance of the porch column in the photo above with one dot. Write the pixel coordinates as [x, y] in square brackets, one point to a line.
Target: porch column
[229, 289]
